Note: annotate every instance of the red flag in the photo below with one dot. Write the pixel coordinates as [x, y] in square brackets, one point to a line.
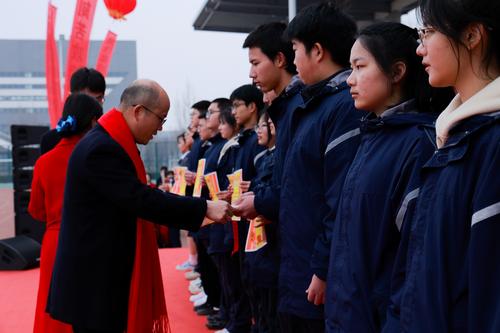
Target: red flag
[79, 41]
[106, 53]
[52, 69]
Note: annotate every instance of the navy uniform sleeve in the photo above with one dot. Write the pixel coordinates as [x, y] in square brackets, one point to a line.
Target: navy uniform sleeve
[342, 142]
[107, 172]
[267, 201]
[484, 249]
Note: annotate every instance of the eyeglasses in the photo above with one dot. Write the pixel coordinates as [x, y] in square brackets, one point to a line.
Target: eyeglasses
[425, 33]
[161, 119]
[238, 104]
[211, 112]
[261, 126]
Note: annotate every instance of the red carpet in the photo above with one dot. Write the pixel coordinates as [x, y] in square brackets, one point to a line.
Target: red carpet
[18, 297]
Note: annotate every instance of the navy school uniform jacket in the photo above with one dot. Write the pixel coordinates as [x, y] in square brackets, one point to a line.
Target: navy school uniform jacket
[264, 263]
[321, 147]
[267, 199]
[211, 155]
[102, 200]
[377, 190]
[225, 166]
[452, 268]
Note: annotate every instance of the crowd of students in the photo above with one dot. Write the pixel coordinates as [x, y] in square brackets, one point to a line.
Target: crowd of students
[369, 198]
[380, 209]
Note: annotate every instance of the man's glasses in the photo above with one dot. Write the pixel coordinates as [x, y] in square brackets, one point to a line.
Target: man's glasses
[211, 112]
[161, 119]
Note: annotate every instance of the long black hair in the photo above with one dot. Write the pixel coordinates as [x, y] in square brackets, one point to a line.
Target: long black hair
[78, 112]
[391, 42]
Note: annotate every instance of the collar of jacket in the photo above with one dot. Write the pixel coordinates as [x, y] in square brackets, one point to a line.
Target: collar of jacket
[244, 135]
[403, 114]
[458, 142]
[216, 138]
[327, 86]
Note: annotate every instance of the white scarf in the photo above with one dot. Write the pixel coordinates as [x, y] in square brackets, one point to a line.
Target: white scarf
[484, 101]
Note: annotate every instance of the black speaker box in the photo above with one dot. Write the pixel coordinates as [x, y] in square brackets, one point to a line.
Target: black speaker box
[22, 135]
[21, 201]
[20, 252]
[22, 178]
[28, 226]
[24, 156]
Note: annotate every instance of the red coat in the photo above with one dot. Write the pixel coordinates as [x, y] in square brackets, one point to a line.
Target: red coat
[47, 193]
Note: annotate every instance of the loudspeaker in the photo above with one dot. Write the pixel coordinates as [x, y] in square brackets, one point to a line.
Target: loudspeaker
[25, 156]
[23, 135]
[20, 252]
[21, 201]
[22, 178]
[28, 226]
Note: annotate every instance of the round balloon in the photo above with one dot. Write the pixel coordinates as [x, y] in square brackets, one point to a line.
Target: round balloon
[117, 9]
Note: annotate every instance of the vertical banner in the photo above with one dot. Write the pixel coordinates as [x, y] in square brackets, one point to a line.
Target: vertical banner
[52, 69]
[79, 41]
[106, 53]
[199, 173]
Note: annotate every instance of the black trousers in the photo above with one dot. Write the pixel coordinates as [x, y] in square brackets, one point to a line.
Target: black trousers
[85, 330]
[238, 310]
[208, 273]
[294, 324]
[264, 302]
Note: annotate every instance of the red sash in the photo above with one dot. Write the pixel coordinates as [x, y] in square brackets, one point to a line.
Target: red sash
[147, 311]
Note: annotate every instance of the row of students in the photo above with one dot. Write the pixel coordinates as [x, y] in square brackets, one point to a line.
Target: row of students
[393, 217]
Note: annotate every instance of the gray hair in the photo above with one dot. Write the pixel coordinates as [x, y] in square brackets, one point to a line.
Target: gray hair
[140, 92]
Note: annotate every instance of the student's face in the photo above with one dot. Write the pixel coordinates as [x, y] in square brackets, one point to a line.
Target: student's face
[304, 63]
[99, 96]
[226, 130]
[188, 137]
[213, 115]
[194, 118]
[262, 133]
[263, 71]
[370, 87]
[242, 112]
[439, 58]
[181, 145]
[203, 130]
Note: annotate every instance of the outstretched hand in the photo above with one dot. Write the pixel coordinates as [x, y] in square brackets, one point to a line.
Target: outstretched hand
[219, 211]
[244, 207]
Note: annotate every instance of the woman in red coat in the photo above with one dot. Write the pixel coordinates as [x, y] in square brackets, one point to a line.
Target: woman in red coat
[80, 114]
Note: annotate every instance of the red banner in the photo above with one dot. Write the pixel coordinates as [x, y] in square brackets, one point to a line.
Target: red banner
[52, 70]
[80, 38]
[106, 53]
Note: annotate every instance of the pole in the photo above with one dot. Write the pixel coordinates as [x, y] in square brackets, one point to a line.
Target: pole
[292, 9]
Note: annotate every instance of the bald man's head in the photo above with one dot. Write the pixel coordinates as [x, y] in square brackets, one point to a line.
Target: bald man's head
[145, 106]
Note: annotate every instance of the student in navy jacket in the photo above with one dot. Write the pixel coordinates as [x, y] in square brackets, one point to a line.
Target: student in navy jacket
[272, 70]
[321, 148]
[212, 145]
[389, 81]
[263, 264]
[103, 200]
[452, 269]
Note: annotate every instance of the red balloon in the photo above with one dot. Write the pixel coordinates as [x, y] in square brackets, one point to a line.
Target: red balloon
[117, 9]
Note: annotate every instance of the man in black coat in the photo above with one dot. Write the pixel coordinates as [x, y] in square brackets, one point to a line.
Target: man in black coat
[104, 198]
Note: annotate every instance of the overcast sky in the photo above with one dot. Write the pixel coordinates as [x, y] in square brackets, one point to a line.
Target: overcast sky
[189, 64]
